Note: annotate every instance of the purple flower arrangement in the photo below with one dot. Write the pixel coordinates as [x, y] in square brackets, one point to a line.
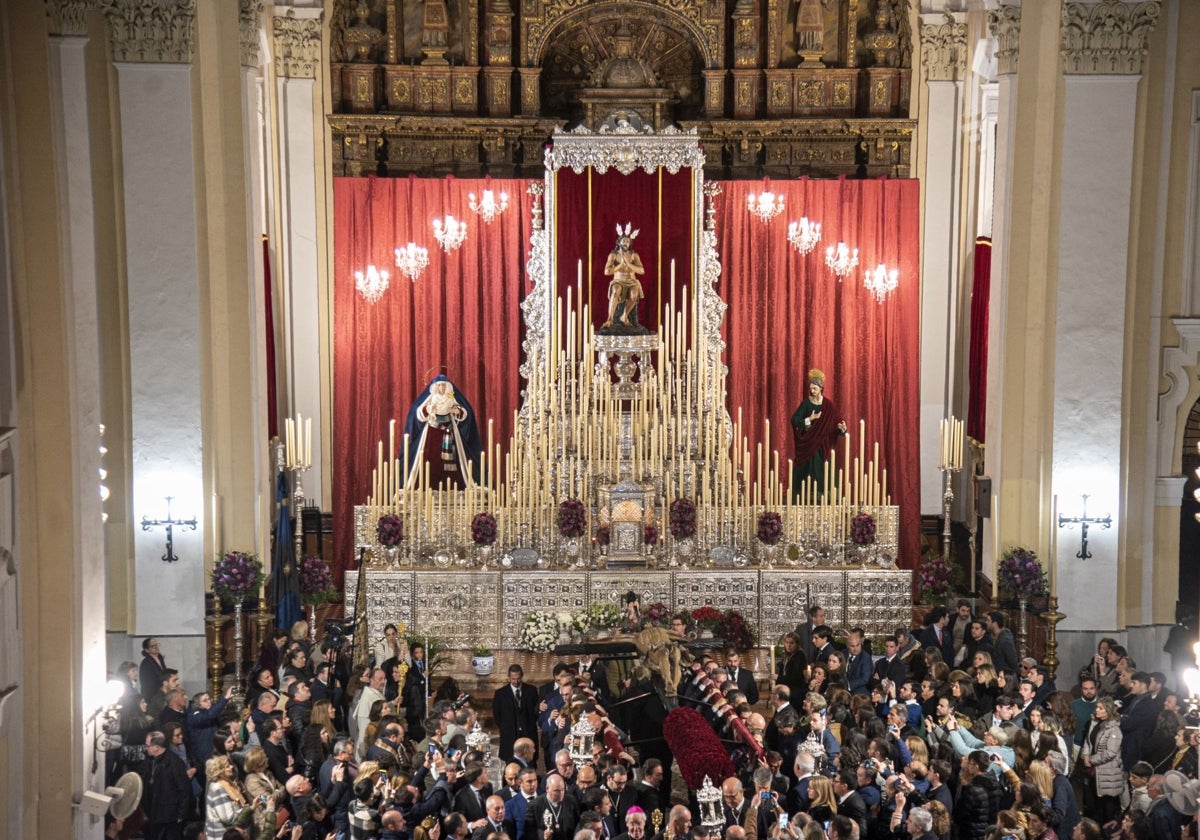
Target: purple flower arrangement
[316, 581]
[1021, 573]
[650, 534]
[770, 528]
[390, 530]
[603, 535]
[483, 529]
[862, 529]
[683, 519]
[935, 580]
[572, 518]
[236, 575]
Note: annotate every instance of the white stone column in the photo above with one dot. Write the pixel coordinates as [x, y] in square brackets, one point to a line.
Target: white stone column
[1005, 26]
[158, 158]
[943, 59]
[296, 40]
[76, 204]
[1098, 136]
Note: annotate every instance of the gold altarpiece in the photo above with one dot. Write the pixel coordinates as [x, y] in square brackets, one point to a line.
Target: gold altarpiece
[777, 87]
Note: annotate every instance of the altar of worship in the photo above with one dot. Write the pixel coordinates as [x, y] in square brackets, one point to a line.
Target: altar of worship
[969, 230]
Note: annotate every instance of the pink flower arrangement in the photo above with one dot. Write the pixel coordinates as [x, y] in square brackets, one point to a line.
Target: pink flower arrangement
[770, 528]
[683, 519]
[390, 530]
[650, 534]
[658, 614]
[572, 518]
[935, 580]
[236, 575]
[603, 535]
[862, 529]
[483, 529]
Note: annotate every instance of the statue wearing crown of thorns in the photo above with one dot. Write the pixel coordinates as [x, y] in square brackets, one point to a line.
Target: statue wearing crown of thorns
[624, 290]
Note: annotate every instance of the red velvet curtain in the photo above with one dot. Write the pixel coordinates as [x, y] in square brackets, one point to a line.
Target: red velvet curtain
[981, 290]
[789, 313]
[589, 206]
[462, 317]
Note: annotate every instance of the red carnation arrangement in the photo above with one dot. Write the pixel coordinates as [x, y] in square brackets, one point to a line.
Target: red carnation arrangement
[650, 534]
[770, 528]
[603, 535]
[683, 519]
[483, 529]
[572, 518]
[707, 616]
[696, 747]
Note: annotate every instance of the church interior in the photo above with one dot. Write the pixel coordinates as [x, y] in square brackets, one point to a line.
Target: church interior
[630, 238]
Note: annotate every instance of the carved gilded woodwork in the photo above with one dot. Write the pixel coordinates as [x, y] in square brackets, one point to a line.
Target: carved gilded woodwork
[731, 70]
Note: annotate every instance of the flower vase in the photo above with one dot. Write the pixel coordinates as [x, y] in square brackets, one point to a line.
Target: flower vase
[570, 551]
[770, 555]
[683, 551]
[564, 637]
[312, 623]
[483, 665]
[1023, 626]
[485, 555]
[864, 554]
[393, 556]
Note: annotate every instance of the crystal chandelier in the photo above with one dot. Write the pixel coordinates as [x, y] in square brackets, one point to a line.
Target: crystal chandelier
[449, 232]
[372, 284]
[489, 207]
[766, 205]
[841, 260]
[881, 281]
[804, 235]
[412, 260]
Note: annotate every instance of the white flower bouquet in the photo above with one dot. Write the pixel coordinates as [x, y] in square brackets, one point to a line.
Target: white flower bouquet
[540, 631]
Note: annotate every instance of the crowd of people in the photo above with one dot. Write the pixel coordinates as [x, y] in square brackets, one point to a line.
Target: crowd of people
[944, 733]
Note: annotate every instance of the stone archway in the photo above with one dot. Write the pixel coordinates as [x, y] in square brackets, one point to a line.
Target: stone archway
[1189, 508]
[580, 46]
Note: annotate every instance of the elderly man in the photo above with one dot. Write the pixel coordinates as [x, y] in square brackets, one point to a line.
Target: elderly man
[361, 716]
[679, 824]
[733, 802]
[635, 825]
[553, 815]
[920, 824]
[493, 820]
[300, 791]
[167, 790]
[1063, 803]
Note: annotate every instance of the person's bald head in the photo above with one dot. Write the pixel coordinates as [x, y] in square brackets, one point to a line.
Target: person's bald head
[731, 792]
[735, 832]
[393, 821]
[495, 809]
[681, 820]
[556, 788]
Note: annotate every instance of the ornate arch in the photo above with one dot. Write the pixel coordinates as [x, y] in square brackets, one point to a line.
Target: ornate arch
[704, 22]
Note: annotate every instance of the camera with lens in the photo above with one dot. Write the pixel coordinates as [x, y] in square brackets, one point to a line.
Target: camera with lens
[460, 701]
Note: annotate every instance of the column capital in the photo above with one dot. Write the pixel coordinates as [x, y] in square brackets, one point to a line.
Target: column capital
[296, 42]
[68, 17]
[1004, 24]
[249, 22]
[944, 46]
[1107, 38]
[152, 31]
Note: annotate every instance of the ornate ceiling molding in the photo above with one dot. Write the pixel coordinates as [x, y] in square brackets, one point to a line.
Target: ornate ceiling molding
[296, 41]
[625, 149]
[68, 17]
[249, 23]
[944, 48]
[1004, 24]
[1108, 38]
[152, 31]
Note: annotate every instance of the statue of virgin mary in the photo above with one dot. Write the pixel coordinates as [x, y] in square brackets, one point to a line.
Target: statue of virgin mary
[442, 426]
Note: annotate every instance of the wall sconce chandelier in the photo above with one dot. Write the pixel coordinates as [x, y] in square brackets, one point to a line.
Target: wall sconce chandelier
[1084, 521]
[804, 235]
[489, 207]
[449, 232]
[841, 259]
[371, 284]
[881, 281]
[412, 260]
[766, 205]
[148, 523]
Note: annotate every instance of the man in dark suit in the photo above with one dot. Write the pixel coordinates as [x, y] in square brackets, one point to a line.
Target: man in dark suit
[553, 815]
[596, 677]
[597, 800]
[891, 667]
[516, 807]
[935, 635]
[167, 789]
[822, 642]
[743, 678]
[624, 797]
[816, 617]
[858, 662]
[733, 802]
[471, 800]
[1137, 718]
[850, 801]
[648, 795]
[493, 820]
[515, 709]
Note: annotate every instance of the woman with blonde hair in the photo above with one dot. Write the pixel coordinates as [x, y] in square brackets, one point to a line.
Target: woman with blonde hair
[822, 800]
[259, 779]
[1040, 775]
[1101, 754]
[225, 802]
[941, 818]
[918, 749]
